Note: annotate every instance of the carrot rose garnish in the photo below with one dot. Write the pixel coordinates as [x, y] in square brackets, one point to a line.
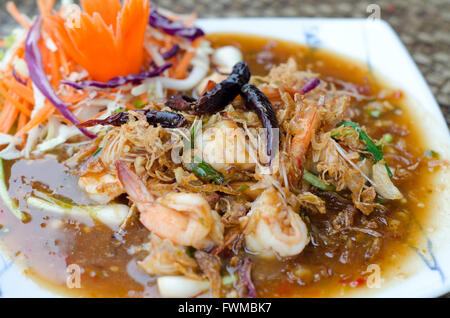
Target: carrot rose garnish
[108, 38]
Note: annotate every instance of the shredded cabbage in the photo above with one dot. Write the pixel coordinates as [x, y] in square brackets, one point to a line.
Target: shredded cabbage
[112, 215]
[4, 195]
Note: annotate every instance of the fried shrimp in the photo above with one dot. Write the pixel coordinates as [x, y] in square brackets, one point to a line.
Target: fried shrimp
[273, 228]
[185, 219]
[305, 125]
[101, 187]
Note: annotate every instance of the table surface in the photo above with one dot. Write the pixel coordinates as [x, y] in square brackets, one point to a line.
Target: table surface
[423, 26]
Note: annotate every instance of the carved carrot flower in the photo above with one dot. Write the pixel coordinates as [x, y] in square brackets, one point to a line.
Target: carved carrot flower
[108, 40]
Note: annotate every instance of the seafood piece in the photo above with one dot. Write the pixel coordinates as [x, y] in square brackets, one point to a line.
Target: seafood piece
[304, 125]
[185, 219]
[273, 228]
[223, 147]
[101, 187]
[154, 117]
[167, 259]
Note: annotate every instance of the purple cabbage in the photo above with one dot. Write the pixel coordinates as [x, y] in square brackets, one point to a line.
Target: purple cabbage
[169, 54]
[33, 59]
[120, 80]
[310, 85]
[18, 78]
[177, 28]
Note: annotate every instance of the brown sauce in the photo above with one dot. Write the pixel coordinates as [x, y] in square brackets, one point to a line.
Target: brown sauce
[108, 270]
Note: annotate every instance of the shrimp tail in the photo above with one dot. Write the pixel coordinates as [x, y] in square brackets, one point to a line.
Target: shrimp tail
[134, 187]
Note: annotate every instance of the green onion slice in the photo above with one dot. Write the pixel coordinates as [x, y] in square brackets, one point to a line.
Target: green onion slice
[375, 150]
[315, 181]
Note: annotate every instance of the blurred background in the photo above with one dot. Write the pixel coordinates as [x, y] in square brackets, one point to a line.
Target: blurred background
[423, 26]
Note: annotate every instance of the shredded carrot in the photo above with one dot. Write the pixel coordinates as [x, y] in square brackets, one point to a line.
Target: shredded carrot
[182, 66]
[54, 68]
[64, 120]
[156, 41]
[64, 62]
[110, 43]
[274, 93]
[45, 6]
[40, 116]
[23, 91]
[167, 42]
[24, 109]
[74, 98]
[15, 13]
[144, 99]
[22, 121]
[8, 117]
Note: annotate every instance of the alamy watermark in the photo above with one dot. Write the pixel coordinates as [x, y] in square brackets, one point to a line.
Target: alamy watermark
[374, 11]
[73, 279]
[374, 279]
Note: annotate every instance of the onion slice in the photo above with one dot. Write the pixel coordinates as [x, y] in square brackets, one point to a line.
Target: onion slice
[33, 59]
[181, 286]
[383, 184]
[120, 80]
[177, 28]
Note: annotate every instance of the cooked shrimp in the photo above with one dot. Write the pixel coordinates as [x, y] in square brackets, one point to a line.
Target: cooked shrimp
[186, 219]
[273, 228]
[101, 187]
[305, 125]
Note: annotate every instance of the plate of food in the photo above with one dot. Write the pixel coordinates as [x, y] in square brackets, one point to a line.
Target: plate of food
[145, 153]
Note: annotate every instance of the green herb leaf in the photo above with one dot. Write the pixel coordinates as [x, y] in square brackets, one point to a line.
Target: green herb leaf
[194, 130]
[431, 154]
[315, 181]
[375, 150]
[229, 280]
[336, 135]
[375, 113]
[119, 110]
[204, 171]
[139, 104]
[242, 188]
[387, 138]
[10, 39]
[190, 251]
[97, 151]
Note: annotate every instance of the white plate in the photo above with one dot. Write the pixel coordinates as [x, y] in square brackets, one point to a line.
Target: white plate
[375, 43]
